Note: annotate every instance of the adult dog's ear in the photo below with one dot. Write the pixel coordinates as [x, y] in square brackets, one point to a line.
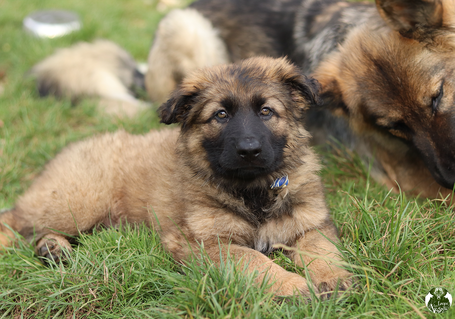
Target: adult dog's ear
[178, 106]
[329, 77]
[410, 17]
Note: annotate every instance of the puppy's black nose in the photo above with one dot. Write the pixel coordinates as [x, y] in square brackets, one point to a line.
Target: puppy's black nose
[249, 148]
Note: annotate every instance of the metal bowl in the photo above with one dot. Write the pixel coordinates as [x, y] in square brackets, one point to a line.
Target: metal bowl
[52, 23]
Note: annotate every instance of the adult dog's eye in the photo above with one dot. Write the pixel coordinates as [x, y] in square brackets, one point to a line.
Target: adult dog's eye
[266, 112]
[436, 100]
[399, 126]
[221, 116]
[399, 129]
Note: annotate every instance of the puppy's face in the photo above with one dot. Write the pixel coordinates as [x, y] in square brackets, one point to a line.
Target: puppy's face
[237, 120]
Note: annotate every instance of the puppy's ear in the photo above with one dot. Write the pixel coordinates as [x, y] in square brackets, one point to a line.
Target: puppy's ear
[409, 17]
[304, 90]
[303, 87]
[177, 107]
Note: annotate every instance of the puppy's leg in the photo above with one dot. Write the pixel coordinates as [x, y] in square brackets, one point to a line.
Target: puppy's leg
[285, 283]
[9, 221]
[76, 191]
[53, 246]
[184, 41]
[325, 273]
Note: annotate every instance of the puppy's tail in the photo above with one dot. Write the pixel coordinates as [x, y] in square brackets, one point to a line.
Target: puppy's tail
[98, 69]
[184, 41]
[9, 224]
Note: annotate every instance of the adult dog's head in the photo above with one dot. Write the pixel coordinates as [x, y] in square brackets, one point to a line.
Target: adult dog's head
[395, 81]
[239, 120]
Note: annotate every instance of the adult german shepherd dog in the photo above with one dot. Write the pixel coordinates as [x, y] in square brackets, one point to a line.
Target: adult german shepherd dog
[387, 72]
[238, 177]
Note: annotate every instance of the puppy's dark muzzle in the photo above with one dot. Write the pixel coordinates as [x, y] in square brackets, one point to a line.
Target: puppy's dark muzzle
[249, 148]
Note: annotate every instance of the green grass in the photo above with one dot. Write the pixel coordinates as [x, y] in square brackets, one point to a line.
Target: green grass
[399, 247]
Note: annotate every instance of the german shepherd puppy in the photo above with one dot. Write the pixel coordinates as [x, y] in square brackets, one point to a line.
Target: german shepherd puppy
[238, 176]
[387, 72]
[100, 69]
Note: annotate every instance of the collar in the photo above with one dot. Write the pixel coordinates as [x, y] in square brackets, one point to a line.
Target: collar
[280, 183]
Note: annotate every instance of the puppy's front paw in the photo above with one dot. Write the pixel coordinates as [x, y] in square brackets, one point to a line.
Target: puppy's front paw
[337, 280]
[290, 284]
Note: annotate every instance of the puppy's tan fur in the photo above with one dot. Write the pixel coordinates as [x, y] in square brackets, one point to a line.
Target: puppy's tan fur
[165, 179]
[100, 69]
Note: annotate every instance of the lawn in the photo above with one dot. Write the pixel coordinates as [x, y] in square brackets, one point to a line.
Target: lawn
[399, 247]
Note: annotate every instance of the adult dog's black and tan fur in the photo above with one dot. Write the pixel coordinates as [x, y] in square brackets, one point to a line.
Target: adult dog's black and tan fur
[386, 72]
[206, 183]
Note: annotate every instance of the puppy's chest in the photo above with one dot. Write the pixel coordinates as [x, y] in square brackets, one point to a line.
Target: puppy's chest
[259, 206]
[272, 218]
[258, 220]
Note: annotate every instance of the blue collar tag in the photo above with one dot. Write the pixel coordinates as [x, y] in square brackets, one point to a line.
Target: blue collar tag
[280, 183]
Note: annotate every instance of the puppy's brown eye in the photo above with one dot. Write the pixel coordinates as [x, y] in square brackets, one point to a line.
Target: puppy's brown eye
[266, 112]
[221, 115]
